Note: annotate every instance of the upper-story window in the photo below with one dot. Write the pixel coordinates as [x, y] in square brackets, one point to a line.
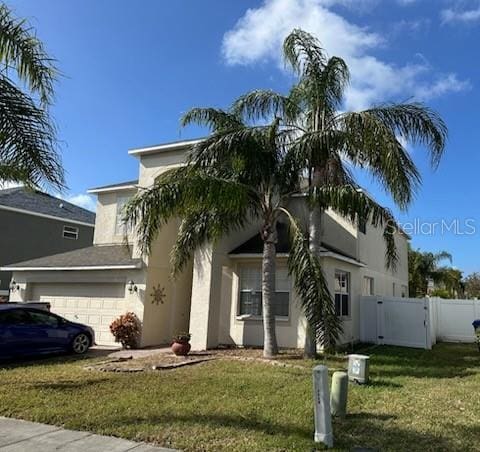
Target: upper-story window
[342, 293]
[120, 225]
[70, 232]
[250, 297]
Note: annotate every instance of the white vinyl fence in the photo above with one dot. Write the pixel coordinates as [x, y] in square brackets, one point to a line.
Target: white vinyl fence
[452, 319]
[417, 322]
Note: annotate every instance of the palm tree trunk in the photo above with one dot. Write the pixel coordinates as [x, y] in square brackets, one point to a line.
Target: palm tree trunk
[315, 240]
[270, 347]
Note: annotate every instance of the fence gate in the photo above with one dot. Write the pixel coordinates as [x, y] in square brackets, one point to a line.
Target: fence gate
[396, 321]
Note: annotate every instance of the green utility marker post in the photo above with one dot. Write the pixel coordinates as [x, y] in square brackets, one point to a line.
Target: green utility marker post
[339, 394]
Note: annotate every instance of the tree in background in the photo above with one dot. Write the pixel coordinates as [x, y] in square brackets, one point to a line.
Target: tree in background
[28, 145]
[424, 267]
[472, 285]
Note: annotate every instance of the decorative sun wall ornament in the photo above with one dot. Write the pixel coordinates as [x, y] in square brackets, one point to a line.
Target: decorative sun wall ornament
[158, 295]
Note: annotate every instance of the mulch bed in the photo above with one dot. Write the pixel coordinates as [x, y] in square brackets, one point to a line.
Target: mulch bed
[168, 361]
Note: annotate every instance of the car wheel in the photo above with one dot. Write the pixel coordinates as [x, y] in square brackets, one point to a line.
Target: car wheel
[80, 344]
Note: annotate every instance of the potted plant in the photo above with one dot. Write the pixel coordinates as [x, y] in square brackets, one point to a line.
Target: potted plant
[181, 344]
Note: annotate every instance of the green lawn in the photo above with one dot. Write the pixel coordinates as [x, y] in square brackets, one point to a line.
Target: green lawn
[418, 400]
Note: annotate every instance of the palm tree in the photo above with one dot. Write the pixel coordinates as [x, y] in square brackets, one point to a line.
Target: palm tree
[239, 174]
[330, 140]
[28, 149]
[424, 266]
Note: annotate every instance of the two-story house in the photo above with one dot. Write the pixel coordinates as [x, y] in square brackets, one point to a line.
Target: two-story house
[218, 297]
[34, 224]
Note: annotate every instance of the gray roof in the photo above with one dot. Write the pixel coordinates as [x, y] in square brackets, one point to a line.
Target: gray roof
[119, 184]
[93, 256]
[36, 201]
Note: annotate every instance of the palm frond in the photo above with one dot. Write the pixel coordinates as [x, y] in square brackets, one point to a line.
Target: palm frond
[370, 143]
[21, 50]
[417, 124]
[217, 120]
[201, 227]
[303, 52]
[312, 288]
[266, 104]
[28, 138]
[352, 203]
[177, 193]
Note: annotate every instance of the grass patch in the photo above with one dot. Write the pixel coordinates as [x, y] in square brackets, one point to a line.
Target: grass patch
[418, 400]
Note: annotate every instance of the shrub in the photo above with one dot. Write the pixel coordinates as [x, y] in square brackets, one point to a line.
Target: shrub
[126, 330]
[182, 337]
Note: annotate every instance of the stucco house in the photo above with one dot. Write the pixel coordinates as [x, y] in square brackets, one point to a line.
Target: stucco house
[217, 298]
[34, 224]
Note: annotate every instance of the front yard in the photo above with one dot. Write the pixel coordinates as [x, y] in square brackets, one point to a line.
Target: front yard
[418, 400]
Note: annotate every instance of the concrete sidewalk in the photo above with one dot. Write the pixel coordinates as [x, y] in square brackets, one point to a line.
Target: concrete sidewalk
[23, 436]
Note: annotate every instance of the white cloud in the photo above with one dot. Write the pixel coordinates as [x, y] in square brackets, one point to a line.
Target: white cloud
[81, 200]
[451, 15]
[259, 34]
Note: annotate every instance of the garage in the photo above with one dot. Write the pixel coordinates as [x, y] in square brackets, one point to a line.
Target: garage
[96, 305]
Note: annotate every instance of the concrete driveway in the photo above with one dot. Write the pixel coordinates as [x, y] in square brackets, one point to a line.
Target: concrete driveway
[23, 436]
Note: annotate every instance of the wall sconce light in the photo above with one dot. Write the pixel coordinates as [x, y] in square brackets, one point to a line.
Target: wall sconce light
[131, 287]
[13, 286]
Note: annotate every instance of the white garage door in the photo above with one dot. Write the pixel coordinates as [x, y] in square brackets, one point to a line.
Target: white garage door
[96, 305]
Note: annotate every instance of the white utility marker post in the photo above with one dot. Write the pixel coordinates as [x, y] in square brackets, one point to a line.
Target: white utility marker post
[321, 396]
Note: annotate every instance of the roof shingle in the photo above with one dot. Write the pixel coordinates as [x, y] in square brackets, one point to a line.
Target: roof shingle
[42, 203]
[93, 256]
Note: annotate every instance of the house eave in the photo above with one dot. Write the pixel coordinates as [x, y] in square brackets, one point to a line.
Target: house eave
[179, 145]
[330, 254]
[115, 188]
[73, 268]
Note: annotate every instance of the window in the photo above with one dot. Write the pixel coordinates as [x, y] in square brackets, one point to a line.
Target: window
[40, 318]
[342, 293]
[70, 232]
[119, 223]
[394, 289]
[368, 286]
[14, 317]
[250, 298]
[362, 225]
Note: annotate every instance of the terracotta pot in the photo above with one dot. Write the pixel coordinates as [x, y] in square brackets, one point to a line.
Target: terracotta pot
[181, 348]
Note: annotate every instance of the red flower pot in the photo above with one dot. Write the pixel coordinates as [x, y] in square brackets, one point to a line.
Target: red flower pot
[181, 348]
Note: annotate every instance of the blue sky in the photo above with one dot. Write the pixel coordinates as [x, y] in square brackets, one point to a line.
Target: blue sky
[132, 68]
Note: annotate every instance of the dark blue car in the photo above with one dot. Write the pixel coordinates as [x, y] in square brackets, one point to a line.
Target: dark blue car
[27, 331]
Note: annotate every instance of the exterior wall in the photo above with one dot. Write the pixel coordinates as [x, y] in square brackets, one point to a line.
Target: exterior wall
[95, 298]
[24, 237]
[234, 329]
[152, 165]
[171, 315]
[105, 222]
[371, 248]
[210, 266]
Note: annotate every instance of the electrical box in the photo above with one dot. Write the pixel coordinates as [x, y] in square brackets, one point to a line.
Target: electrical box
[358, 368]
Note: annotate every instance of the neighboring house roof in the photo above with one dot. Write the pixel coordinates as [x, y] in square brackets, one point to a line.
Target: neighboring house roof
[35, 202]
[131, 184]
[105, 257]
[254, 247]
